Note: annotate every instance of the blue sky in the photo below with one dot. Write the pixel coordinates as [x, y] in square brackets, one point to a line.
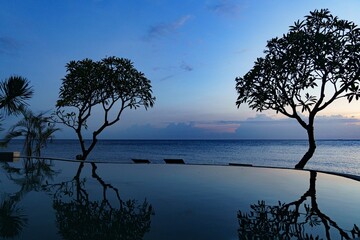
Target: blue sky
[191, 50]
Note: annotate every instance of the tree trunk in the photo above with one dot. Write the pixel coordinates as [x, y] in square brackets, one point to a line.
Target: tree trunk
[312, 146]
[77, 176]
[312, 188]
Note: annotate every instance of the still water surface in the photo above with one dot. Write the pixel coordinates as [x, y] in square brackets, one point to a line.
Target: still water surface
[160, 201]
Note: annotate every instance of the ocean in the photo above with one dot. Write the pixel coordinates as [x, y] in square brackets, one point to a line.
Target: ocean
[341, 156]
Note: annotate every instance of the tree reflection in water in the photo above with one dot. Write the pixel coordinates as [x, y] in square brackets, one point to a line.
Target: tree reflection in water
[12, 219]
[78, 217]
[285, 221]
[30, 177]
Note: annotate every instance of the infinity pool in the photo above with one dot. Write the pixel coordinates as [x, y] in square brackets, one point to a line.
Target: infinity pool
[43, 199]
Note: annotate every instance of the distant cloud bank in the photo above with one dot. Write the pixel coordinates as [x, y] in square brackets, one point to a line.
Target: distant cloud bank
[259, 127]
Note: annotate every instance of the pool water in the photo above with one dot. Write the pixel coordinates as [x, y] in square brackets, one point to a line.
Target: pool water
[58, 200]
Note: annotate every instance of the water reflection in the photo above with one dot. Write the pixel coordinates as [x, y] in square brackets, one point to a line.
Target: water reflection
[12, 218]
[108, 217]
[30, 177]
[300, 219]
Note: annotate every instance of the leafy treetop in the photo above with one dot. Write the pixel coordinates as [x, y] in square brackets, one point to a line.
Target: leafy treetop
[112, 83]
[304, 71]
[89, 83]
[321, 51]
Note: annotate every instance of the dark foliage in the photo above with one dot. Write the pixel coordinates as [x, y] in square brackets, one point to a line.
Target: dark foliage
[14, 91]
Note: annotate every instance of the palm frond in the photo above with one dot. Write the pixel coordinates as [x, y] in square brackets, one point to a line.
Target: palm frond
[14, 92]
[36, 129]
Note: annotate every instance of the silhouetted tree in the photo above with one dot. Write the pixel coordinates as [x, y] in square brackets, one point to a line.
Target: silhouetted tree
[112, 84]
[304, 71]
[36, 129]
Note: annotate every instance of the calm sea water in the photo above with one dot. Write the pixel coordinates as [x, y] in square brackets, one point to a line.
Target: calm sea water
[331, 155]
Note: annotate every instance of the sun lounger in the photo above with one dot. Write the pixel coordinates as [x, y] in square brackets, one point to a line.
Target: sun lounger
[174, 161]
[240, 164]
[140, 160]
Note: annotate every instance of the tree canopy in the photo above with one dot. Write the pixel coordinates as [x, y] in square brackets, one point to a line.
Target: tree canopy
[305, 70]
[113, 83]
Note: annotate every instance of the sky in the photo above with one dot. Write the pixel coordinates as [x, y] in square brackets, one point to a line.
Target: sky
[191, 50]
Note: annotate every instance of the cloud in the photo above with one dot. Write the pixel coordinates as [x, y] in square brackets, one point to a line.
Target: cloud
[337, 127]
[226, 7]
[326, 127]
[8, 45]
[241, 51]
[183, 67]
[186, 67]
[218, 126]
[166, 77]
[171, 131]
[264, 127]
[164, 29]
[260, 117]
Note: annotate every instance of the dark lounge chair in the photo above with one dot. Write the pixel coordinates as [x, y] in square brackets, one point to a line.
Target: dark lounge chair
[140, 160]
[174, 161]
[240, 164]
